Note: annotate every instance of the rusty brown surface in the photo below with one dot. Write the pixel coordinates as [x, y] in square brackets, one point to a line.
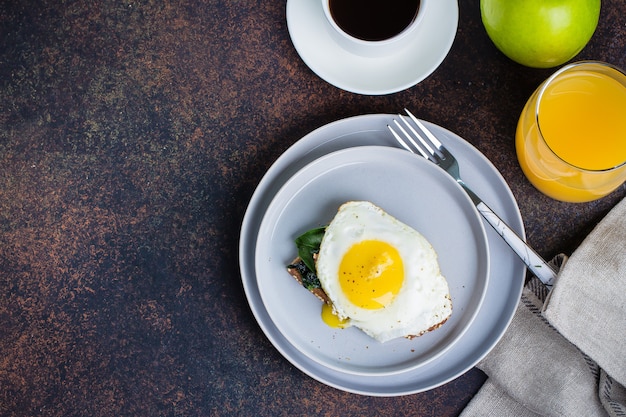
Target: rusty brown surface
[132, 135]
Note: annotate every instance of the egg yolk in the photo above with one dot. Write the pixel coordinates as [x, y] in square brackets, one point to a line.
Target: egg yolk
[371, 274]
[331, 319]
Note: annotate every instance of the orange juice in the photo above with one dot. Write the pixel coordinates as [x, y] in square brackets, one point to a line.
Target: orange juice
[571, 136]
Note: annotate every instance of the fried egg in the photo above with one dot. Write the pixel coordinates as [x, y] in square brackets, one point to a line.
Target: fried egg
[381, 275]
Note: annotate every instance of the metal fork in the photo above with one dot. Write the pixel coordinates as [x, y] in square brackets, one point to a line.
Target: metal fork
[428, 146]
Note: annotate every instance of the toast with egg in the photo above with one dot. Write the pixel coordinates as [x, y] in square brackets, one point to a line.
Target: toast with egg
[377, 273]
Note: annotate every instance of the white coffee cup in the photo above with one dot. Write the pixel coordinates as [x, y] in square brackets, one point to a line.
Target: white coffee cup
[374, 48]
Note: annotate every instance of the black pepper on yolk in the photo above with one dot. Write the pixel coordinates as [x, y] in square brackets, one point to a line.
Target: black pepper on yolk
[371, 274]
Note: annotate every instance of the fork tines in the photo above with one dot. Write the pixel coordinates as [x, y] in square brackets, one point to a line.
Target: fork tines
[427, 144]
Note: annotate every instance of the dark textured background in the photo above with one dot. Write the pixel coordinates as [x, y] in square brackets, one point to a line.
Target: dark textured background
[132, 135]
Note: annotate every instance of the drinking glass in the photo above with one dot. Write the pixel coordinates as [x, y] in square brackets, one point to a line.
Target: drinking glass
[571, 135]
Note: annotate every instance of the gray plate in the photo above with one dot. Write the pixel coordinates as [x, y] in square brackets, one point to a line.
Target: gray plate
[506, 270]
[408, 187]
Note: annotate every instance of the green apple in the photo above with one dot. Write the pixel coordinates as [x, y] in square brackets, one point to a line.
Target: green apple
[540, 33]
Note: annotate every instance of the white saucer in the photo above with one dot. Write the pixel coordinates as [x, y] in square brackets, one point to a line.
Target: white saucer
[372, 76]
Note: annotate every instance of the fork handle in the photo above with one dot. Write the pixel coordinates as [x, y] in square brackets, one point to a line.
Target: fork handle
[535, 263]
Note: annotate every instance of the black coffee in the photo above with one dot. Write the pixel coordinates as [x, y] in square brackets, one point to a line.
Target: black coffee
[373, 20]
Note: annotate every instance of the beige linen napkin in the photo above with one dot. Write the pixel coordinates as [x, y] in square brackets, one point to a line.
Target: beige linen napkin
[567, 356]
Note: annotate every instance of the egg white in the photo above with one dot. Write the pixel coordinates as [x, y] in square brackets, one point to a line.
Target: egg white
[424, 298]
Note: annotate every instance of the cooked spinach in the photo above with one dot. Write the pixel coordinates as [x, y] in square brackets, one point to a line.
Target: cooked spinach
[308, 244]
[309, 278]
